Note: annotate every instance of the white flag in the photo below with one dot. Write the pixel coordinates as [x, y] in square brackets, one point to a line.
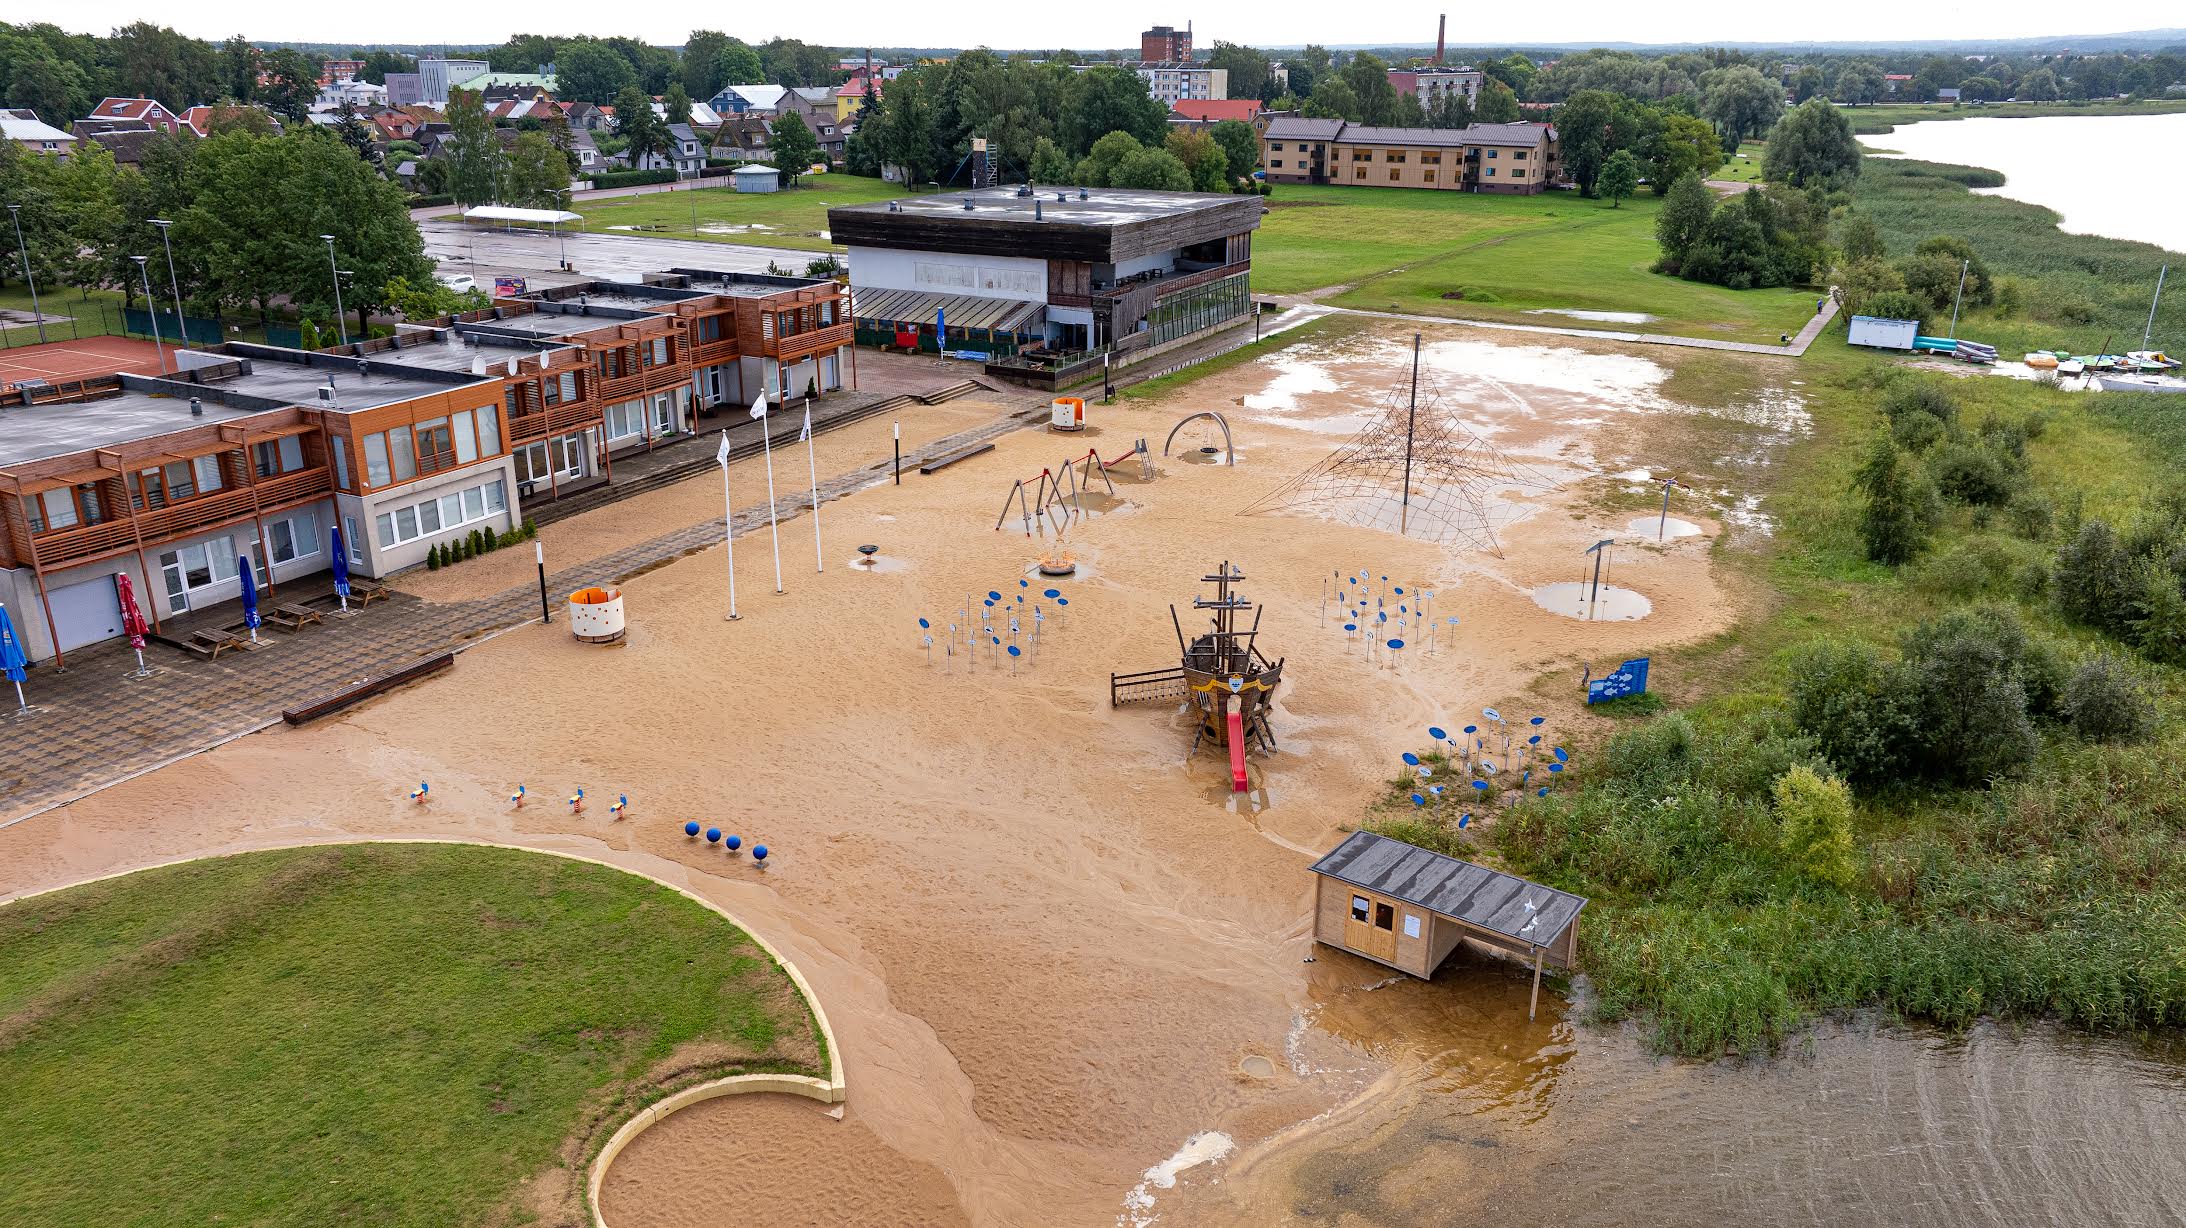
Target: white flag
[721, 454]
[807, 432]
[759, 407]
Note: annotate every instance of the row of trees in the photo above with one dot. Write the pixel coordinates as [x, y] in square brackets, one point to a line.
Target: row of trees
[62, 76]
[1778, 235]
[247, 210]
[1186, 160]
[589, 69]
[530, 170]
[925, 119]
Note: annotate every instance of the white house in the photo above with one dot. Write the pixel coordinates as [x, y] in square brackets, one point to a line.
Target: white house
[33, 135]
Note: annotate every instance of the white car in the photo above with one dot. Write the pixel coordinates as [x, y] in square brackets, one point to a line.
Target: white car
[458, 282]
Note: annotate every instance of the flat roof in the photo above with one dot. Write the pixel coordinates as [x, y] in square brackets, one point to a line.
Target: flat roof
[1101, 225]
[456, 350]
[379, 383]
[1516, 908]
[551, 323]
[34, 432]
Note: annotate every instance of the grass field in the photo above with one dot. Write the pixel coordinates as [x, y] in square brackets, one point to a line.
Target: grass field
[363, 1034]
[1508, 255]
[1882, 117]
[793, 217]
[1744, 165]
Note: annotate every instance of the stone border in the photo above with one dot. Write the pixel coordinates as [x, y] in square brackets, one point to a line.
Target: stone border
[829, 1090]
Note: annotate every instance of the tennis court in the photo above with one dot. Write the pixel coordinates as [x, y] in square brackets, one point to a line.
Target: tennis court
[67, 360]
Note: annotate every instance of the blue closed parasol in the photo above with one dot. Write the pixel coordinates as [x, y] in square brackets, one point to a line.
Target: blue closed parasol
[12, 659]
[250, 595]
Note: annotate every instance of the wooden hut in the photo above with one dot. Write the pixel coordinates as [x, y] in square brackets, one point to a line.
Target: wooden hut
[1404, 906]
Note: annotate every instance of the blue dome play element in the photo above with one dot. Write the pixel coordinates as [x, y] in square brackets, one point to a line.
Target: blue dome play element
[1396, 643]
[713, 835]
[1435, 732]
[735, 843]
[1561, 757]
[758, 852]
[923, 623]
[1053, 592]
[691, 828]
[1400, 592]
[1417, 800]
[1411, 758]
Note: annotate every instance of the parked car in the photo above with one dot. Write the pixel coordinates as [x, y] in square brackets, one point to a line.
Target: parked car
[458, 282]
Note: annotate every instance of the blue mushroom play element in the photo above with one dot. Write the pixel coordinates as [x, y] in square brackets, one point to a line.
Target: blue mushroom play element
[713, 835]
[1417, 800]
[735, 843]
[1436, 733]
[1051, 593]
[1435, 789]
[1561, 756]
[1491, 714]
[1400, 591]
[1411, 758]
[758, 852]
[691, 828]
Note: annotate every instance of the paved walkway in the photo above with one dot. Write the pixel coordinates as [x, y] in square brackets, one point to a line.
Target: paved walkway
[1797, 347]
[94, 727]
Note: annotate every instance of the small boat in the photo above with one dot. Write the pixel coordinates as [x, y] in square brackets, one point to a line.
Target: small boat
[2042, 360]
[2071, 366]
[2151, 360]
[2142, 383]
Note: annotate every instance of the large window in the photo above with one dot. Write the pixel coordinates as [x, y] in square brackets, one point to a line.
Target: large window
[402, 452]
[340, 450]
[625, 419]
[466, 437]
[275, 457]
[195, 567]
[449, 511]
[376, 471]
[1198, 308]
[296, 537]
[435, 446]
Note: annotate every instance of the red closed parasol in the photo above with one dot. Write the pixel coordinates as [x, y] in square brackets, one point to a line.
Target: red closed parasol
[132, 621]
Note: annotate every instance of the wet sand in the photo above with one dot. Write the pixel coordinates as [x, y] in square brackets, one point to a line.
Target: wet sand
[1054, 950]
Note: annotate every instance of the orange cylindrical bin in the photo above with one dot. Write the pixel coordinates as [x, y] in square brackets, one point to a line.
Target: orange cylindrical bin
[1066, 414]
[595, 615]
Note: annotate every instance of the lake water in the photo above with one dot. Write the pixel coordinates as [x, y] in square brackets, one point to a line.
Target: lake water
[2114, 175]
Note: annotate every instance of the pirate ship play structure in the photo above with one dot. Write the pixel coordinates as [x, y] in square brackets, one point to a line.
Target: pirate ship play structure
[1221, 673]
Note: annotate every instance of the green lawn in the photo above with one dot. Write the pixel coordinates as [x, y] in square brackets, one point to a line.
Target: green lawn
[793, 217]
[361, 1034]
[1744, 166]
[1508, 255]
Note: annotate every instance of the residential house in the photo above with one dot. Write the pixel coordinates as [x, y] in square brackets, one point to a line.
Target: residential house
[703, 117]
[362, 95]
[815, 105]
[30, 134]
[585, 115]
[199, 120]
[396, 125]
[331, 71]
[1202, 113]
[1500, 158]
[685, 155]
[1166, 43]
[589, 161]
[1897, 83]
[1950, 94]
[746, 99]
[744, 139]
[123, 138]
[135, 110]
[850, 97]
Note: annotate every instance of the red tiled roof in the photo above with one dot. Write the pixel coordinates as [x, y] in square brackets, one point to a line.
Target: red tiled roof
[855, 87]
[1211, 110]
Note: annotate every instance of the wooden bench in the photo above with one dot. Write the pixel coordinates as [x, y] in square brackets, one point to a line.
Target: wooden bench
[364, 592]
[328, 704]
[292, 617]
[209, 643]
[935, 464]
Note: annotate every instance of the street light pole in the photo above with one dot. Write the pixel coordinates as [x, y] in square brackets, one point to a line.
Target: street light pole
[176, 286]
[340, 323]
[16, 212]
[151, 308]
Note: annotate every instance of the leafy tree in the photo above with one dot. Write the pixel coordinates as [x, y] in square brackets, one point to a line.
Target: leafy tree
[1812, 143]
[1097, 169]
[291, 84]
[2038, 86]
[589, 71]
[1858, 239]
[1451, 110]
[1368, 76]
[538, 173]
[375, 65]
[737, 63]
[1853, 704]
[1806, 83]
[789, 62]
[2104, 702]
[1741, 102]
[522, 53]
[636, 124]
[1814, 822]
[237, 66]
[795, 150]
[1901, 507]
[1860, 283]
[1587, 125]
[57, 90]
[1155, 169]
[1968, 679]
[1513, 72]
[1858, 83]
[1498, 104]
[1239, 145]
[1248, 69]
[1050, 165]
[356, 134]
[1202, 159]
[699, 67]
[1980, 89]
[1619, 178]
[473, 152]
[2092, 582]
[677, 103]
[1309, 68]
[430, 300]
[1686, 208]
[150, 61]
[1682, 145]
[1895, 305]
[1333, 98]
[1105, 99]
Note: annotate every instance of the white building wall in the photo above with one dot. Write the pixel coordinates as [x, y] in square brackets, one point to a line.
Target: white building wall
[1019, 278]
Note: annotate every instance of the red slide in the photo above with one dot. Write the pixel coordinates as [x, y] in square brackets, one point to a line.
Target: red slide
[1237, 745]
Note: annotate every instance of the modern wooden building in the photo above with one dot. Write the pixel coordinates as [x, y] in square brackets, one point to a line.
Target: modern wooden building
[1500, 158]
[1069, 271]
[1404, 906]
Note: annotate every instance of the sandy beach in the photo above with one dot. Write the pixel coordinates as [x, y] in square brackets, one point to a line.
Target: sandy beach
[1056, 950]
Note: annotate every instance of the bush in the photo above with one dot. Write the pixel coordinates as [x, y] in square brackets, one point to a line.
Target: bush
[1851, 701]
[1970, 569]
[2104, 702]
[1910, 396]
[531, 528]
[2068, 307]
[1969, 682]
[1901, 506]
[1917, 431]
[433, 201]
[1896, 305]
[432, 558]
[1814, 818]
[631, 179]
[2032, 515]
[1967, 472]
[2157, 612]
[2093, 580]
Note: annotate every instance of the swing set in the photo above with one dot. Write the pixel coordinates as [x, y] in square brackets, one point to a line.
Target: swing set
[1055, 496]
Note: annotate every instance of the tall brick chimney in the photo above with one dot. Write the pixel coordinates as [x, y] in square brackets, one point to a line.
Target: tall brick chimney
[1442, 29]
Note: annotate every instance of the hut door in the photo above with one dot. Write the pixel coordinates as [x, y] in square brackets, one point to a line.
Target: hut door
[1372, 928]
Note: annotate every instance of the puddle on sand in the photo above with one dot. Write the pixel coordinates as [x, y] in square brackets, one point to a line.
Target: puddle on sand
[1257, 1067]
[1601, 317]
[733, 228]
[1204, 454]
[879, 564]
[1205, 1147]
[1582, 601]
[1655, 528]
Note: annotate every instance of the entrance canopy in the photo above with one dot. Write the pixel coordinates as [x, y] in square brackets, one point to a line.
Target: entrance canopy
[506, 213]
[961, 311]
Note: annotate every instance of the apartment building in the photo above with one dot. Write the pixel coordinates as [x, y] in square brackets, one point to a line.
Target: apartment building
[1171, 81]
[1503, 158]
[1431, 85]
[256, 452]
[1166, 43]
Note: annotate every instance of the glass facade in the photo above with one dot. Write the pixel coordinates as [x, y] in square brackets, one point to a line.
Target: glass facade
[1199, 308]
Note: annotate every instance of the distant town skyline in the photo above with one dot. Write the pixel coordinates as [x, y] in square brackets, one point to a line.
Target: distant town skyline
[858, 23]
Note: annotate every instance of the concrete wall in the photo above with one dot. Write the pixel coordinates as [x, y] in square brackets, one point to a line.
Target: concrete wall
[1018, 278]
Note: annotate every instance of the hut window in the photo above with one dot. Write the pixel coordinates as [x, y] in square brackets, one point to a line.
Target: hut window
[1359, 908]
[1385, 917]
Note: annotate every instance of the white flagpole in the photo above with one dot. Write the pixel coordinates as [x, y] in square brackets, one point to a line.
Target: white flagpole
[774, 525]
[812, 465]
[728, 522]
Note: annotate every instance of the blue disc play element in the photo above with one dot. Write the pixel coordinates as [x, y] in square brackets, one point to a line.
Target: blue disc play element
[1537, 720]
[1400, 592]
[1481, 785]
[1062, 601]
[1417, 800]
[1555, 767]
[1561, 757]
[691, 828]
[758, 852]
[1014, 652]
[1351, 626]
[1052, 592]
[1535, 740]
[735, 843]
[1472, 729]
[993, 595]
[1543, 792]
[713, 835]
[1464, 820]
[1024, 584]
[923, 623]
[1411, 758]
[1437, 734]
[1396, 643]
[1491, 714]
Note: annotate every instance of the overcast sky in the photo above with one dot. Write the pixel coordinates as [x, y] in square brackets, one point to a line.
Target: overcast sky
[846, 23]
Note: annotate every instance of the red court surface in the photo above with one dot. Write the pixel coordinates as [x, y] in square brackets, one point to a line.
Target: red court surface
[66, 360]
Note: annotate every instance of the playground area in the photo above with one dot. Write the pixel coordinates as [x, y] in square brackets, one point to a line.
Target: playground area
[56, 361]
[1068, 961]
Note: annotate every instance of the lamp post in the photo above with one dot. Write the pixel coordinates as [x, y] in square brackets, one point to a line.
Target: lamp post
[567, 195]
[341, 324]
[176, 286]
[151, 309]
[15, 212]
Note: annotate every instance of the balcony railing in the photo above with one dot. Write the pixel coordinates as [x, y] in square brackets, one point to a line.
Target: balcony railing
[297, 487]
[83, 541]
[827, 338]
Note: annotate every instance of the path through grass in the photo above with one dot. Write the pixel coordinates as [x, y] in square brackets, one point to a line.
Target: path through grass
[359, 1034]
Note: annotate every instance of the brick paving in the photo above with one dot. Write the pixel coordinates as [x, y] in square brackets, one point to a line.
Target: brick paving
[93, 726]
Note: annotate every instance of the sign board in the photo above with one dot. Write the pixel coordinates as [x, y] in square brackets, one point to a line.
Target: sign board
[1883, 334]
[1629, 678]
[507, 287]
